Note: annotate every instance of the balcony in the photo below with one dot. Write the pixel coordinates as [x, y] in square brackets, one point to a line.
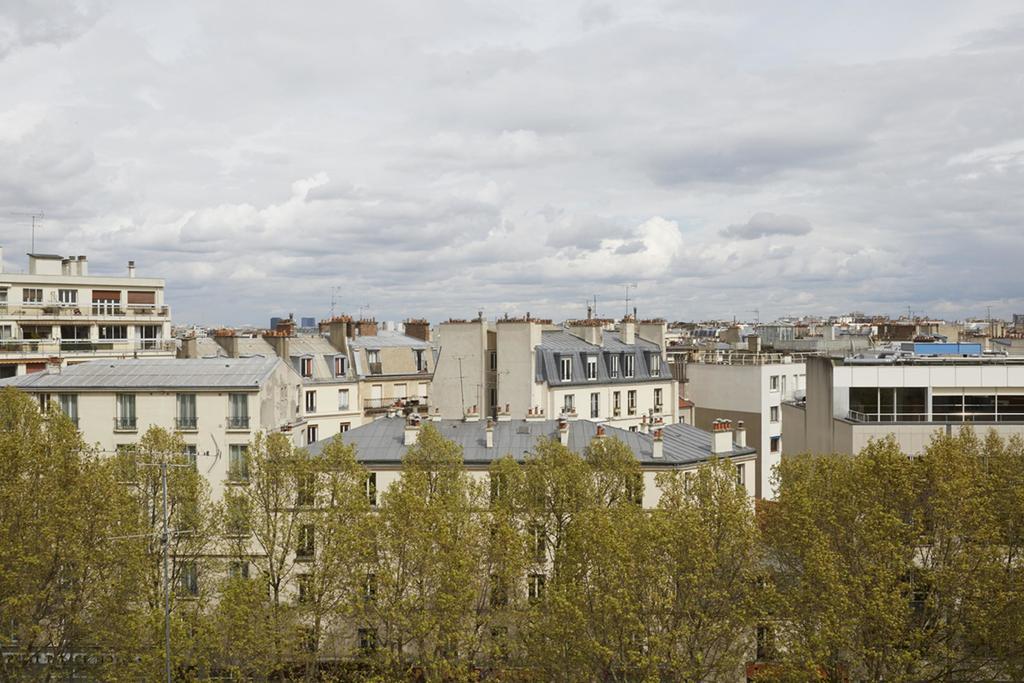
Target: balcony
[406, 406]
[376, 369]
[186, 424]
[238, 422]
[102, 347]
[936, 418]
[54, 310]
[126, 424]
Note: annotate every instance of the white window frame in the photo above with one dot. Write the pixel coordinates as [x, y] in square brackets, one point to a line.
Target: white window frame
[591, 368]
[773, 414]
[741, 474]
[569, 403]
[372, 355]
[311, 401]
[340, 366]
[615, 365]
[343, 405]
[773, 383]
[658, 400]
[306, 367]
[33, 299]
[67, 297]
[565, 368]
[312, 434]
[654, 360]
[629, 365]
[631, 401]
[595, 404]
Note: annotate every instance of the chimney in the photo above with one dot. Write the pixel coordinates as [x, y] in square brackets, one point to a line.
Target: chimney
[472, 415]
[643, 424]
[627, 330]
[754, 343]
[535, 414]
[740, 435]
[418, 328]
[189, 348]
[563, 432]
[489, 434]
[366, 327]
[131, 269]
[279, 342]
[506, 415]
[53, 365]
[589, 330]
[227, 340]
[658, 445]
[600, 432]
[338, 332]
[412, 430]
[721, 437]
[83, 265]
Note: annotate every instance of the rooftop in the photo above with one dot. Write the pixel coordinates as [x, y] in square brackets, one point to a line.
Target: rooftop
[152, 373]
[383, 441]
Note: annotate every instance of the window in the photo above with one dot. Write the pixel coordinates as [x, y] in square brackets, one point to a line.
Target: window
[569, 403]
[186, 411]
[494, 360]
[342, 399]
[32, 296]
[540, 543]
[125, 419]
[113, 332]
[631, 401]
[765, 643]
[595, 404]
[657, 400]
[44, 402]
[345, 426]
[370, 587]
[591, 367]
[400, 391]
[306, 544]
[367, 639]
[617, 403]
[421, 363]
[371, 488]
[782, 384]
[238, 569]
[238, 462]
[615, 366]
[238, 411]
[535, 587]
[630, 358]
[741, 475]
[188, 579]
[312, 432]
[69, 406]
[67, 297]
[565, 364]
[774, 443]
[305, 490]
[306, 367]
[311, 401]
[305, 586]
[773, 413]
[654, 363]
[773, 383]
[372, 356]
[340, 366]
[191, 455]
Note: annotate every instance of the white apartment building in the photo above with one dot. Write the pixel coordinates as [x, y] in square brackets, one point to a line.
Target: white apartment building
[381, 445]
[912, 391]
[58, 313]
[749, 388]
[217, 404]
[527, 367]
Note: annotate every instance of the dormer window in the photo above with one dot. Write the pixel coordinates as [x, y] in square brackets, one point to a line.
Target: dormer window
[566, 368]
[421, 363]
[615, 366]
[372, 356]
[340, 366]
[306, 367]
[591, 367]
[630, 358]
[654, 362]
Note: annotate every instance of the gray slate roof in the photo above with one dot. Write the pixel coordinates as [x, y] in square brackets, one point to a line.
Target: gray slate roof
[387, 339]
[152, 373]
[557, 344]
[381, 442]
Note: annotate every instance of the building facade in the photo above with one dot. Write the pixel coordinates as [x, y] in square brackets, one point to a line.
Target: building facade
[58, 313]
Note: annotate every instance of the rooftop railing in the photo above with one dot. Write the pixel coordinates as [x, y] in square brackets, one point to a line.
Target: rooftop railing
[746, 358]
[940, 418]
[54, 309]
[84, 346]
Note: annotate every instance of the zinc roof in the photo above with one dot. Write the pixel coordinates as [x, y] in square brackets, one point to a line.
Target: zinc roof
[155, 373]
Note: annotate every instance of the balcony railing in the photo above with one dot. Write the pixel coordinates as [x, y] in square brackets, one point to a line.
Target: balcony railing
[125, 424]
[942, 418]
[86, 309]
[407, 405]
[85, 346]
[376, 369]
[186, 423]
[238, 422]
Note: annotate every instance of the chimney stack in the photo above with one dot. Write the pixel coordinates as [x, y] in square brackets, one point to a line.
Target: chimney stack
[740, 435]
[643, 424]
[83, 265]
[721, 437]
[504, 415]
[418, 328]
[658, 445]
[600, 432]
[189, 348]
[472, 415]
[338, 332]
[534, 414]
[754, 343]
[489, 434]
[563, 431]
[131, 269]
[627, 330]
[412, 430]
[227, 340]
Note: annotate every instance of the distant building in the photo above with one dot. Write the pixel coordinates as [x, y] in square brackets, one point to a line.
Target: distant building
[275, 321]
[911, 390]
[307, 323]
[58, 313]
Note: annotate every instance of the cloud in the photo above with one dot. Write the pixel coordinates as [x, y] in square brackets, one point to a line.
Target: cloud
[767, 224]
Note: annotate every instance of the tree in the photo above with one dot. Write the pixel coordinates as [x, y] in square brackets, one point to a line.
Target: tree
[65, 576]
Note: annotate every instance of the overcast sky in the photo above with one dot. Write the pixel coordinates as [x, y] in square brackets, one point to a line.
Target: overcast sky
[437, 158]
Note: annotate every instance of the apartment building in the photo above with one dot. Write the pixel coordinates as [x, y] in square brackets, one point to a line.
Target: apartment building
[58, 313]
[394, 369]
[381, 445]
[525, 367]
[217, 404]
[747, 387]
[911, 390]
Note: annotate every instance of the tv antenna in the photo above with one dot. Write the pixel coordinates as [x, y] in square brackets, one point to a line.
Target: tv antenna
[36, 216]
[334, 297]
[627, 287]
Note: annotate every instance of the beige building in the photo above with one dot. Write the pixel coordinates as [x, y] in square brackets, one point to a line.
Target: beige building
[911, 395]
[217, 404]
[58, 313]
[527, 367]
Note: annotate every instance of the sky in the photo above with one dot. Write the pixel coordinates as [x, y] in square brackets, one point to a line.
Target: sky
[435, 159]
